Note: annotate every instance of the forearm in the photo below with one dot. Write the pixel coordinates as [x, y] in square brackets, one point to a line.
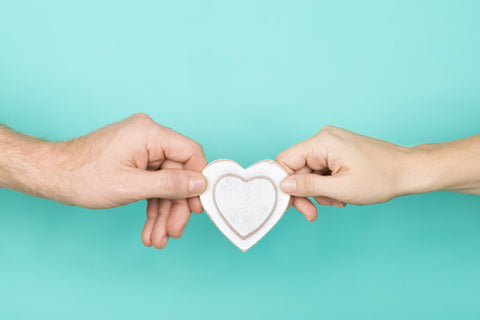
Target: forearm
[449, 166]
[31, 165]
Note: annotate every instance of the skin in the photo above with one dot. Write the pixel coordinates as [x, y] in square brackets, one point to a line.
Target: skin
[338, 167]
[136, 159]
[124, 162]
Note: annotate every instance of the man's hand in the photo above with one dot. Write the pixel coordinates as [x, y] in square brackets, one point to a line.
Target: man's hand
[124, 162]
[337, 167]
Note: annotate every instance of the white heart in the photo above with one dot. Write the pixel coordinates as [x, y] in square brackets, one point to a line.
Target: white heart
[244, 203]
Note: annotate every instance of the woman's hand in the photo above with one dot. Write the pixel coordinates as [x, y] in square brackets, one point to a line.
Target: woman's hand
[337, 167]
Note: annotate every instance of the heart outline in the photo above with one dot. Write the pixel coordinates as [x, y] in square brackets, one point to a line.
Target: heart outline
[244, 181]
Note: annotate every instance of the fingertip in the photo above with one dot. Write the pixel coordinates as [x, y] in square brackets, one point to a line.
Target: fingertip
[157, 237]
[339, 204]
[290, 202]
[326, 201]
[195, 205]
[306, 207]
[159, 243]
[197, 184]
[175, 231]
[178, 218]
[146, 238]
[152, 213]
[311, 214]
[176, 227]
[159, 231]
[146, 243]
[289, 185]
[176, 234]
[285, 166]
[164, 242]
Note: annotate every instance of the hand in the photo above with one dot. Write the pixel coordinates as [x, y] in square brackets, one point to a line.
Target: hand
[337, 167]
[124, 162]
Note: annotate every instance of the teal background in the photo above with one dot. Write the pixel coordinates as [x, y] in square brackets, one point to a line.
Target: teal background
[246, 79]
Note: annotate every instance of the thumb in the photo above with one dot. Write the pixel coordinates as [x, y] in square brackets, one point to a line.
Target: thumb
[170, 183]
[310, 185]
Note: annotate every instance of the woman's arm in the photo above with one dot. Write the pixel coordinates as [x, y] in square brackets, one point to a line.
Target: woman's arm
[337, 167]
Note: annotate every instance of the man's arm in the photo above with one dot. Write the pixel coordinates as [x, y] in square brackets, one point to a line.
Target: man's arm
[124, 162]
[32, 166]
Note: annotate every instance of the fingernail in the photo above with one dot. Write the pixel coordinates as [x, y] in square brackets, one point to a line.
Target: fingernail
[196, 184]
[164, 242]
[183, 230]
[289, 185]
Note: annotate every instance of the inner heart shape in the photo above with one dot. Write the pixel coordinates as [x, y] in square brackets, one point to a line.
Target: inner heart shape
[245, 204]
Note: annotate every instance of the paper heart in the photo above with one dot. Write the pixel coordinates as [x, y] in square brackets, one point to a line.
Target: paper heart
[244, 203]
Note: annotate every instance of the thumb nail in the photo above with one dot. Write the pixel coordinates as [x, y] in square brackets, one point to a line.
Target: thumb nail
[289, 185]
[196, 184]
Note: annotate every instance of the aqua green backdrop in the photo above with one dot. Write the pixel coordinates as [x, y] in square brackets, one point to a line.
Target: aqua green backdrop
[246, 79]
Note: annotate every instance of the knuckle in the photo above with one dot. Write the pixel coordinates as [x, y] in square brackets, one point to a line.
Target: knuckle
[198, 147]
[331, 133]
[328, 130]
[141, 120]
[329, 127]
[167, 184]
[287, 155]
[172, 184]
[280, 156]
[310, 183]
[140, 115]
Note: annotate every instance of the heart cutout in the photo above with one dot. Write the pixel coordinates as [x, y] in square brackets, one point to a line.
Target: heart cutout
[244, 203]
[231, 193]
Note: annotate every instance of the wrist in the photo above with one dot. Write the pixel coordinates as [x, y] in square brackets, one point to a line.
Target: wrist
[50, 176]
[429, 168]
[31, 165]
[416, 174]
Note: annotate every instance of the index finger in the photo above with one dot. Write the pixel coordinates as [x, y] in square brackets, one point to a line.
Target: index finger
[304, 157]
[179, 148]
[294, 158]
